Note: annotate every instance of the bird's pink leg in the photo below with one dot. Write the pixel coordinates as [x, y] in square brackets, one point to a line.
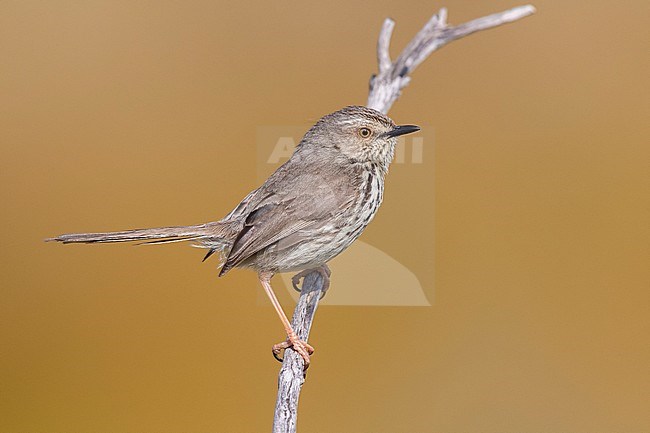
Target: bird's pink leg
[303, 349]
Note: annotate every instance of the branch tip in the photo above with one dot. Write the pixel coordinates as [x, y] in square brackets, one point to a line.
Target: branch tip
[442, 16]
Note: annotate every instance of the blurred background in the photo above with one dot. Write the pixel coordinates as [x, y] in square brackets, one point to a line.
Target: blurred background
[527, 227]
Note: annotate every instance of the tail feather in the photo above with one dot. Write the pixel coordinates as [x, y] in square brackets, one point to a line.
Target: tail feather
[211, 232]
[169, 241]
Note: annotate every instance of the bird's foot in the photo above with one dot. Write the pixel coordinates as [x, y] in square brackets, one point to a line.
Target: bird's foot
[292, 341]
[323, 270]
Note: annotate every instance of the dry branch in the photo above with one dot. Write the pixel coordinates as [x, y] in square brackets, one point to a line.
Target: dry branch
[385, 87]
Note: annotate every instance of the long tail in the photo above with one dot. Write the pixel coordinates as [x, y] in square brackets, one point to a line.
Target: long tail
[209, 235]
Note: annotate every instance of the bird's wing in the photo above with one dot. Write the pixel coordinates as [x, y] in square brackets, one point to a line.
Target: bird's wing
[285, 209]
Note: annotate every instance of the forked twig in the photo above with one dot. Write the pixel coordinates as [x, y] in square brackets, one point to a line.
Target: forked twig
[386, 86]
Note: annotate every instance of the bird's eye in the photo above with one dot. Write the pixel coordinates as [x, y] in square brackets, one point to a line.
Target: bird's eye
[365, 132]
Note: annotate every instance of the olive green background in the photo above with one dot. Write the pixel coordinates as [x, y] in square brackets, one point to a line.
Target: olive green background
[129, 114]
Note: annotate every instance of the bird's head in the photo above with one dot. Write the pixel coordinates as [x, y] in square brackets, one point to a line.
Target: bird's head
[357, 133]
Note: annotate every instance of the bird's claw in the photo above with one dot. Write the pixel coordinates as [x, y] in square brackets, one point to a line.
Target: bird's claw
[301, 347]
[323, 270]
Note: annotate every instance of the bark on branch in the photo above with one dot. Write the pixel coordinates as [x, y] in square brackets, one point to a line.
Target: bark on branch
[385, 87]
[292, 374]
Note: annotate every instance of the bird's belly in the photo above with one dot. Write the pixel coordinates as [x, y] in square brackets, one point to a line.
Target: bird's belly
[306, 254]
[317, 247]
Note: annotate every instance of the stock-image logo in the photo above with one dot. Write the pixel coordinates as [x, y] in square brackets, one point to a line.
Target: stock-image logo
[363, 275]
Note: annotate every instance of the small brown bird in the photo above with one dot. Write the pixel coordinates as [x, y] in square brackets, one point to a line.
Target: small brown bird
[306, 213]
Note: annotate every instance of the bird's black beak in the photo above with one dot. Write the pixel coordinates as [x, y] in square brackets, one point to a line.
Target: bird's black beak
[401, 130]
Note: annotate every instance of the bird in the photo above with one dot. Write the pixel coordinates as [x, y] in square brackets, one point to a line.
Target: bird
[306, 213]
